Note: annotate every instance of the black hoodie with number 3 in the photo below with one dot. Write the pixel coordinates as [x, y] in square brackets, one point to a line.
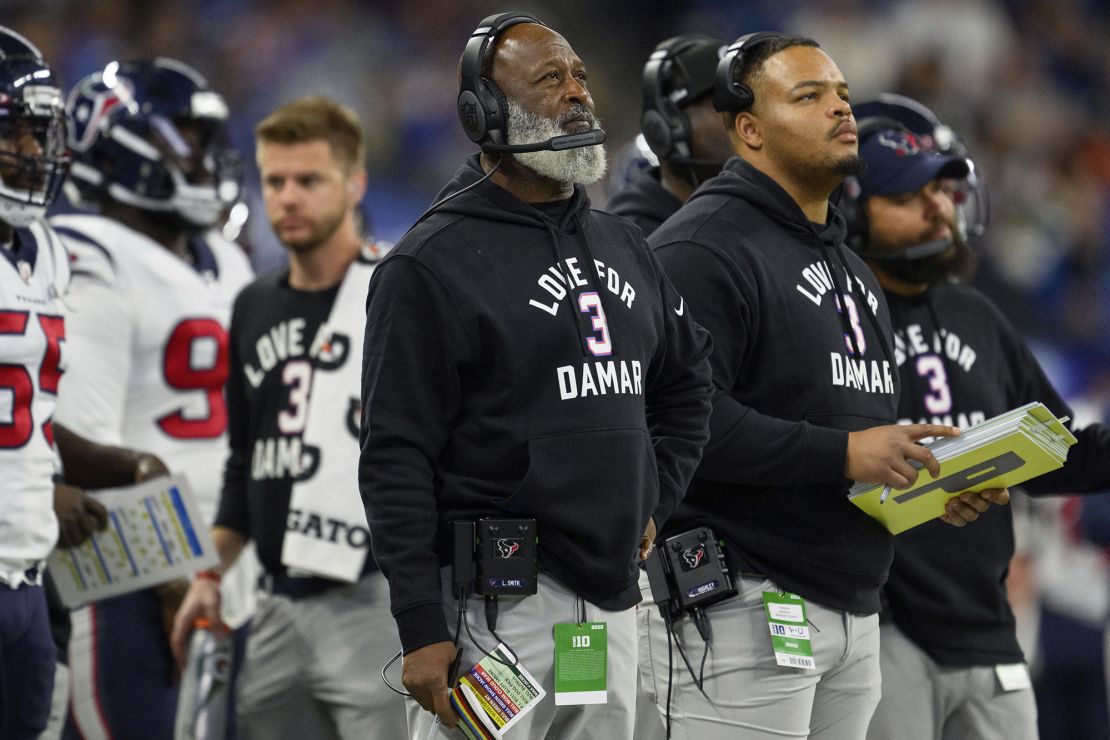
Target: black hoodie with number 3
[796, 374]
[525, 362]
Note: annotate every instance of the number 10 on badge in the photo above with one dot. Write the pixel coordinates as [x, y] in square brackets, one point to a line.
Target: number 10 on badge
[786, 618]
[580, 663]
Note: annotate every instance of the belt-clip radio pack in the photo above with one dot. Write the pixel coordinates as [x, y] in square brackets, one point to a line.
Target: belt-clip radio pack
[689, 572]
[501, 554]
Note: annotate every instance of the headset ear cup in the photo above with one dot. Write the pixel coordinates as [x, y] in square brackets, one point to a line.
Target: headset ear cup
[481, 105]
[471, 116]
[854, 215]
[729, 93]
[743, 94]
[682, 135]
[657, 133]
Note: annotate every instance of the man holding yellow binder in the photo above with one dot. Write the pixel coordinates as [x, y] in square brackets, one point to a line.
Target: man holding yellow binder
[949, 627]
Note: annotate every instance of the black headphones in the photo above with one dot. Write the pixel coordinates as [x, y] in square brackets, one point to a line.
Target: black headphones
[481, 104]
[665, 126]
[729, 93]
[849, 203]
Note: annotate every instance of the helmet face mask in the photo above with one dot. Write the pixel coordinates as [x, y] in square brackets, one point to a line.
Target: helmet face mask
[152, 135]
[33, 158]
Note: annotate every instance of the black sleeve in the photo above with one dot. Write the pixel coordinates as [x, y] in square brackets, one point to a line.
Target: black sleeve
[233, 512]
[678, 399]
[1087, 468]
[745, 446]
[410, 396]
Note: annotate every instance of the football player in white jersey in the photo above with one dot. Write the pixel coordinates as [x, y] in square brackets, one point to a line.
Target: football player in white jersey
[33, 276]
[150, 301]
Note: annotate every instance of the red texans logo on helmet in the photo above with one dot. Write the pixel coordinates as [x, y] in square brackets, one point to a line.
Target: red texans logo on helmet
[91, 115]
[902, 142]
[507, 548]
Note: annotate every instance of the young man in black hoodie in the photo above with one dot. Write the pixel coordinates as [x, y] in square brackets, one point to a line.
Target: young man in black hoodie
[681, 128]
[951, 663]
[525, 357]
[803, 353]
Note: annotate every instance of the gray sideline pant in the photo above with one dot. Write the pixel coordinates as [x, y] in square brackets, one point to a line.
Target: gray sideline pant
[926, 701]
[526, 625]
[751, 697]
[312, 667]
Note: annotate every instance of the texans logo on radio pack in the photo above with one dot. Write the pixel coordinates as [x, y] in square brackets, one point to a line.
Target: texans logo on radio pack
[692, 556]
[506, 548]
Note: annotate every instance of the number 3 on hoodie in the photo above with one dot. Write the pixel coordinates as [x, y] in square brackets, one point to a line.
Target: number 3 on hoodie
[590, 303]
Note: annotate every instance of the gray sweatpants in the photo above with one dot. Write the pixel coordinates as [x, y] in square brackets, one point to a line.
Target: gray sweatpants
[746, 694]
[312, 668]
[526, 625]
[926, 701]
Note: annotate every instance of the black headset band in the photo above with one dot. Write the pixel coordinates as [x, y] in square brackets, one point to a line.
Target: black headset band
[663, 121]
[653, 79]
[667, 52]
[729, 93]
[478, 47]
[481, 104]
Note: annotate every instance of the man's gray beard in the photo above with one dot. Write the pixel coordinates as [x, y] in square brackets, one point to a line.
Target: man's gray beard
[584, 165]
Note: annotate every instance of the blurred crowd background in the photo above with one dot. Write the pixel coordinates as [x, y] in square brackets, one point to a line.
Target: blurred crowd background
[1026, 83]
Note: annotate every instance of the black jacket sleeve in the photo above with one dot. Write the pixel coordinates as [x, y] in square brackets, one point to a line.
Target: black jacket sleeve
[746, 446]
[233, 511]
[678, 398]
[1087, 468]
[410, 395]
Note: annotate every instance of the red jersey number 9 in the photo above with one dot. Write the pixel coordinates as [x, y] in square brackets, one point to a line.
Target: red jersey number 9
[196, 360]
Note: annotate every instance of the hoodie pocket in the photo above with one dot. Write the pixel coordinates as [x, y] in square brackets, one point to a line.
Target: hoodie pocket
[591, 494]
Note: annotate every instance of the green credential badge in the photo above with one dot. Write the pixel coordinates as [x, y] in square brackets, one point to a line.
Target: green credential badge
[581, 662]
[786, 618]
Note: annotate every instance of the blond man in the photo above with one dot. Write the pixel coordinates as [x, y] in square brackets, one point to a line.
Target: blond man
[290, 483]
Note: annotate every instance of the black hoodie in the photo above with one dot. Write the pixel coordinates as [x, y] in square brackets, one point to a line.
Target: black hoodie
[645, 201]
[795, 376]
[491, 389]
[962, 362]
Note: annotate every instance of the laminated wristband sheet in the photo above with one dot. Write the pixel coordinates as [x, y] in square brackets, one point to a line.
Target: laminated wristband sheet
[154, 534]
[491, 697]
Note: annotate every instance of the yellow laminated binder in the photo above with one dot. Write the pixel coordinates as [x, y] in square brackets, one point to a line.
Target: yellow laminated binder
[1003, 451]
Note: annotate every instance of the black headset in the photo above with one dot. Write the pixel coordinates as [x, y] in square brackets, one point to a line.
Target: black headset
[664, 124]
[481, 104]
[729, 92]
[849, 203]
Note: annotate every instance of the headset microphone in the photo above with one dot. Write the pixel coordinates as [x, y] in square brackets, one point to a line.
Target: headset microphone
[556, 144]
[909, 254]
